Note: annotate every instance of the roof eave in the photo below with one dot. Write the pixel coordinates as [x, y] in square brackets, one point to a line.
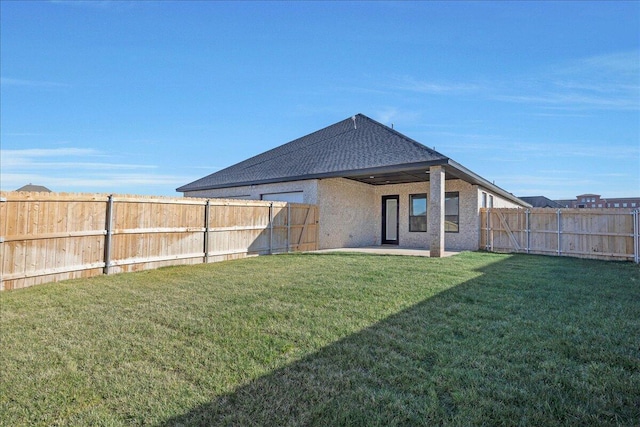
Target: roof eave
[324, 175]
[477, 179]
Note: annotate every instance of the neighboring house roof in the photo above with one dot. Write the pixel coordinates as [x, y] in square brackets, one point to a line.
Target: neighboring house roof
[34, 188]
[357, 148]
[541, 202]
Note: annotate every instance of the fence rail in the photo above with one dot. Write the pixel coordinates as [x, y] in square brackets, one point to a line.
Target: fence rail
[47, 237]
[611, 234]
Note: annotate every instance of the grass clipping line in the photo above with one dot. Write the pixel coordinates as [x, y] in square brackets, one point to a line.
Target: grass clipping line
[329, 339]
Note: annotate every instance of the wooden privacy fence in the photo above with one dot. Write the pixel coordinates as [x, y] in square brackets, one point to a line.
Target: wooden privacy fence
[611, 234]
[47, 237]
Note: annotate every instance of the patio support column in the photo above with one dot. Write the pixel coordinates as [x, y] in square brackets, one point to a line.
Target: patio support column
[436, 211]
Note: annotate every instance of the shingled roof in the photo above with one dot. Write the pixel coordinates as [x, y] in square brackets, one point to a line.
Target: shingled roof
[34, 188]
[357, 148]
[541, 202]
[357, 144]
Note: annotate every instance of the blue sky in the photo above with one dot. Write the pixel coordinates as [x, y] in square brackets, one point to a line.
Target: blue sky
[142, 97]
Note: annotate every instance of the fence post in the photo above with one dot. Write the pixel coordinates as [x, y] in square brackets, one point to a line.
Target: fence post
[2, 200]
[559, 231]
[636, 236]
[288, 227]
[107, 237]
[207, 208]
[528, 230]
[489, 231]
[270, 228]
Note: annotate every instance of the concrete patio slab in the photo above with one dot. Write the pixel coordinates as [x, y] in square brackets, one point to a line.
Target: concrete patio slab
[388, 250]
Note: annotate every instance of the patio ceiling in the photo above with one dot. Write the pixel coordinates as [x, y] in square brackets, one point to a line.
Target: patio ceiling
[404, 176]
[419, 172]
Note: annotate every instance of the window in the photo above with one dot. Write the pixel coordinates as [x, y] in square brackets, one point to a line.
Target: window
[633, 205]
[616, 205]
[418, 212]
[451, 212]
[484, 199]
[287, 196]
[624, 205]
[490, 201]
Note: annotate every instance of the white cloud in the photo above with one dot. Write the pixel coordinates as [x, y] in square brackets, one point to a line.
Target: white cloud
[603, 82]
[94, 182]
[432, 87]
[81, 169]
[389, 115]
[7, 81]
[32, 157]
[97, 4]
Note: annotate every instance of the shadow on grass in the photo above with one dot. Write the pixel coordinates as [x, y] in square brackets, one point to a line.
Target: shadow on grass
[515, 346]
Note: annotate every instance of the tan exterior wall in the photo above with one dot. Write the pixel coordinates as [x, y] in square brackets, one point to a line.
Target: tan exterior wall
[347, 213]
[465, 239]
[351, 212]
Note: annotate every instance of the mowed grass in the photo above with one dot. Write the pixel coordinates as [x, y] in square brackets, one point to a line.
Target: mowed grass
[329, 339]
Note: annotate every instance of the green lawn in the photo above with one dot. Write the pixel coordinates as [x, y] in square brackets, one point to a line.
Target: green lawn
[330, 339]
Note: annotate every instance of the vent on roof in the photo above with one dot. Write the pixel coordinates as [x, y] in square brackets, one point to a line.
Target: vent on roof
[354, 122]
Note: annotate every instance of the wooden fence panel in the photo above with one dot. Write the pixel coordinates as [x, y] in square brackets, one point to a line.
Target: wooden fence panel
[610, 234]
[47, 237]
[149, 233]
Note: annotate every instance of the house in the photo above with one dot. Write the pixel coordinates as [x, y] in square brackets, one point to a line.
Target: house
[34, 188]
[372, 184]
[541, 202]
[597, 201]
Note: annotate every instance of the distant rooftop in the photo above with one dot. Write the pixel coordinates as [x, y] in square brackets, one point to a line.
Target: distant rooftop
[541, 202]
[34, 188]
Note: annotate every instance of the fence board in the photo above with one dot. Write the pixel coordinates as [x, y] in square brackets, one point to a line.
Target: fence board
[47, 237]
[609, 234]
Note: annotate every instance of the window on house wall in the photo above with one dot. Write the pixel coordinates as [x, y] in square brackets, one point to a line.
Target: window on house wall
[287, 196]
[484, 199]
[418, 212]
[451, 212]
[490, 201]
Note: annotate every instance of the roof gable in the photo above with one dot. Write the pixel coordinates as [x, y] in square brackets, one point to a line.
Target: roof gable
[354, 144]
